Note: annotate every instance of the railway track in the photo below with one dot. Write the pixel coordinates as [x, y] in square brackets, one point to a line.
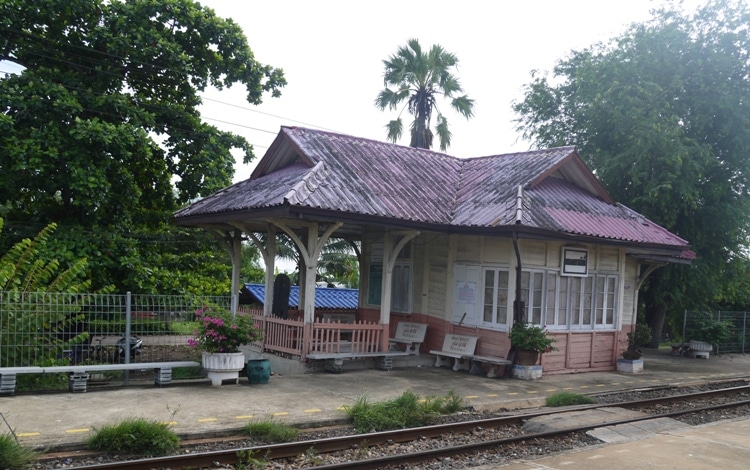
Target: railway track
[321, 447]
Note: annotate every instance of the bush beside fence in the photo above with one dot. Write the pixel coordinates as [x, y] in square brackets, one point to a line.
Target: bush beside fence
[41, 328]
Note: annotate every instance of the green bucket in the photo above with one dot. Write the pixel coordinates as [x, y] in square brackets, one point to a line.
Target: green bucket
[258, 371]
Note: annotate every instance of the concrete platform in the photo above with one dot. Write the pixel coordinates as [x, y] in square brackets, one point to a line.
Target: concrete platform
[64, 420]
[724, 445]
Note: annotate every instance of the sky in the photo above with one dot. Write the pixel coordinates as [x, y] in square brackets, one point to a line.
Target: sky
[332, 55]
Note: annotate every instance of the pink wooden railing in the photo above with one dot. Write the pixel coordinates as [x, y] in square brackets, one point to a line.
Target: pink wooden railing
[289, 337]
[335, 337]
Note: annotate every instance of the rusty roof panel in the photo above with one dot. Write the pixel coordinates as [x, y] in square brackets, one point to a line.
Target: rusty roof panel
[351, 175]
[376, 178]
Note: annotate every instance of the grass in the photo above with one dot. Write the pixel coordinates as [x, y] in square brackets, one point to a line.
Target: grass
[568, 399]
[271, 431]
[136, 436]
[406, 411]
[183, 327]
[13, 455]
[182, 373]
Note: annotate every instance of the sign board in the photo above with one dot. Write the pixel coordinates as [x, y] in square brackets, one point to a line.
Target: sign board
[574, 262]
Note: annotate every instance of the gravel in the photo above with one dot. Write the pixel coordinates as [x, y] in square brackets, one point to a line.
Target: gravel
[505, 454]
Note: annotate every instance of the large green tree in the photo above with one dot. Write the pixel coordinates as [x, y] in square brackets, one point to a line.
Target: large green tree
[101, 132]
[420, 78]
[662, 115]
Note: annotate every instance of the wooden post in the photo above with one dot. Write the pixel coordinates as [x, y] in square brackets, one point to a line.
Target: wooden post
[390, 254]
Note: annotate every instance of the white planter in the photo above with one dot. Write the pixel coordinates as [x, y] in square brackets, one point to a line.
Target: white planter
[630, 366]
[700, 349]
[223, 366]
[526, 372]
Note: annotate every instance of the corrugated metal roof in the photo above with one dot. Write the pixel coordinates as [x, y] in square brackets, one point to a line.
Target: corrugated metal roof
[307, 168]
[325, 297]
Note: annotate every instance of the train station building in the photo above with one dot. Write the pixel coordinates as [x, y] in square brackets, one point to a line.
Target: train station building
[465, 246]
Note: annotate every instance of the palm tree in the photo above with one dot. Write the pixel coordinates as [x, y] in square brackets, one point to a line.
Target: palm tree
[419, 78]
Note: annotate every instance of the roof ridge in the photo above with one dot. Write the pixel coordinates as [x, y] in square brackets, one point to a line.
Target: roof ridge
[308, 184]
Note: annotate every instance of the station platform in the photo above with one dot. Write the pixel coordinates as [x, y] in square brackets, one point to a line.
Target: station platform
[63, 420]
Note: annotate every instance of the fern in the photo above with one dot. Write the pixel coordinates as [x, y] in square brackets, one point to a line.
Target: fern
[25, 279]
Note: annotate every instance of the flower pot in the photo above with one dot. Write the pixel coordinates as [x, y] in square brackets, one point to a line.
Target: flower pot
[258, 371]
[700, 349]
[223, 366]
[527, 358]
[630, 366]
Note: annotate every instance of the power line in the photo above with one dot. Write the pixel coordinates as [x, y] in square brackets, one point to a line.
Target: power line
[158, 68]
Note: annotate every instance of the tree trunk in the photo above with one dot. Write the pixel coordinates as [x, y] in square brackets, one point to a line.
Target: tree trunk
[659, 313]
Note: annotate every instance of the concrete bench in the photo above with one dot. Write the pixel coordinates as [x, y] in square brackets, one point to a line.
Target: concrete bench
[492, 361]
[409, 334]
[458, 348]
[335, 361]
[78, 375]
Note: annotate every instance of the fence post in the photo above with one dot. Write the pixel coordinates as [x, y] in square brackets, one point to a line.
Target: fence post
[744, 330]
[684, 325]
[128, 316]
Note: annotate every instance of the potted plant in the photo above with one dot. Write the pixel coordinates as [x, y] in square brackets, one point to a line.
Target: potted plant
[219, 336]
[530, 341]
[636, 338]
[631, 361]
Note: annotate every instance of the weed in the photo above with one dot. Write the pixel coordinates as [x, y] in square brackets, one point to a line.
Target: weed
[269, 430]
[312, 458]
[12, 454]
[135, 436]
[247, 461]
[363, 450]
[568, 398]
[406, 411]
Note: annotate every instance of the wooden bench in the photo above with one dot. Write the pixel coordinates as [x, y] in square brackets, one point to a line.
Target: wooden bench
[409, 334]
[459, 348]
[79, 375]
[335, 361]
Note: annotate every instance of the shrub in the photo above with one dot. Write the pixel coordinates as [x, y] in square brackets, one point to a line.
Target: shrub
[221, 332]
[12, 454]
[706, 328]
[568, 399]
[531, 338]
[135, 436]
[268, 430]
[406, 411]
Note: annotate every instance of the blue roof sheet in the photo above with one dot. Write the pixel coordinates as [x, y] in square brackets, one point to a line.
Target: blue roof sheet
[325, 297]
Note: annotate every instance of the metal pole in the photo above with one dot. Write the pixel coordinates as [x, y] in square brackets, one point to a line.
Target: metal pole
[684, 324]
[128, 315]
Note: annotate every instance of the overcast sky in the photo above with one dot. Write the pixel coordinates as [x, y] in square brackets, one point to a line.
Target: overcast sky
[332, 53]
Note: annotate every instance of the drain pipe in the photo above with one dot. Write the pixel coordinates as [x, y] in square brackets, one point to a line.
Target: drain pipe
[518, 305]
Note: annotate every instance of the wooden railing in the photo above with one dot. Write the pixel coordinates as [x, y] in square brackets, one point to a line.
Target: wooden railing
[290, 337]
[335, 337]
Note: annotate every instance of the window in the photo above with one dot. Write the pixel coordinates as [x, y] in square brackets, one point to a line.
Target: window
[495, 306]
[563, 302]
[605, 301]
[400, 281]
[401, 287]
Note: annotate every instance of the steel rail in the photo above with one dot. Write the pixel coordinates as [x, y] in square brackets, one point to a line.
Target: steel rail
[328, 445]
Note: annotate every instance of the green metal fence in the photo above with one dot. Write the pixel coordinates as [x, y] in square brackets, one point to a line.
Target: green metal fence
[703, 326]
[42, 328]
